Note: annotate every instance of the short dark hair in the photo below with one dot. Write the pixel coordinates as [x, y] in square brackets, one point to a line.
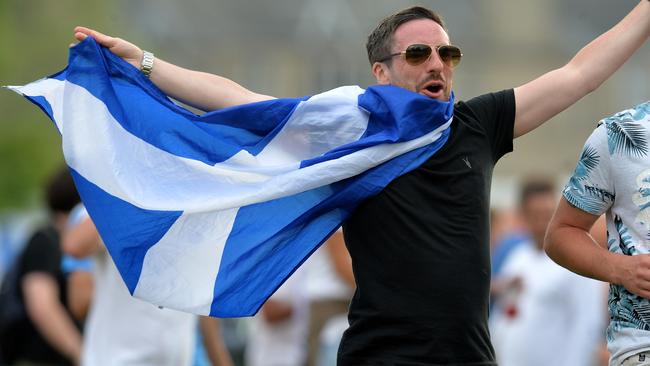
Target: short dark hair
[380, 40]
[60, 193]
[534, 187]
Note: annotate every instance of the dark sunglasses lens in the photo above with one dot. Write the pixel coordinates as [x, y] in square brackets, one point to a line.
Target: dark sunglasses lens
[417, 53]
[451, 55]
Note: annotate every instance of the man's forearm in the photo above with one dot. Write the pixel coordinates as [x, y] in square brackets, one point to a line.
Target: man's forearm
[576, 250]
[569, 243]
[201, 90]
[553, 92]
[604, 55]
[198, 89]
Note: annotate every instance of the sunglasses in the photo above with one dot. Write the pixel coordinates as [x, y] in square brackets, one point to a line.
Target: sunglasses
[417, 54]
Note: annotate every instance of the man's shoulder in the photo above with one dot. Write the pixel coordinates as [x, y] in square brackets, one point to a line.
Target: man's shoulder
[625, 134]
[628, 122]
[44, 239]
[639, 113]
[498, 105]
[501, 96]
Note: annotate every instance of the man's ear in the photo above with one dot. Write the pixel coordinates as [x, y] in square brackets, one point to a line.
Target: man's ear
[381, 72]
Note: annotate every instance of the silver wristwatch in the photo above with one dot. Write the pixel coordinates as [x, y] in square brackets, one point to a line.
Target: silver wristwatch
[147, 63]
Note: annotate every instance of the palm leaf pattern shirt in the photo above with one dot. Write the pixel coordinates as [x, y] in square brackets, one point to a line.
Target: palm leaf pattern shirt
[612, 176]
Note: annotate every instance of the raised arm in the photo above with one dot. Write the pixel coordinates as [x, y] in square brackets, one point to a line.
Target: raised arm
[198, 89]
[553, 92]
[569, 244]
[340, 257]
[81, 240]
[213, 342]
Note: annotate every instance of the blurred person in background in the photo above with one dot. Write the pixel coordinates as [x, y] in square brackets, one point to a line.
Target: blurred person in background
[522, 227]
[80, 286]
[235, 334]
[420, 248]
[210, 348]
[612, 176]
[330, 285]
[278, 332]
[545, 315]
[123, 330]
[79, 272]
[507, 232]
[45, 333]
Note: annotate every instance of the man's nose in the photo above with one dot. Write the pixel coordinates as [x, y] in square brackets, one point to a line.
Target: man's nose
[434, 63]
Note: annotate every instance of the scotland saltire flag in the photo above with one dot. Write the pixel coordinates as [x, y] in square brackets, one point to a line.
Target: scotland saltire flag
[210, 214]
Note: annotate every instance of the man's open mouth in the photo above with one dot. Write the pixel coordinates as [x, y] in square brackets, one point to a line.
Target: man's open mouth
[434, 90]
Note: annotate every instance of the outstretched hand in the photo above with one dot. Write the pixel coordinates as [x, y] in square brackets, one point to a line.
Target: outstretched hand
[124, 49]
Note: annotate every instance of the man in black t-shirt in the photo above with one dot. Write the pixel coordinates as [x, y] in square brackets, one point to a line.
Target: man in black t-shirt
[46, 334]
[419, 249]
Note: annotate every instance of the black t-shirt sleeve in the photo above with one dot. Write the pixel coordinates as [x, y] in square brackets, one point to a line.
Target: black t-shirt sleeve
[496, 113]
[42, 253]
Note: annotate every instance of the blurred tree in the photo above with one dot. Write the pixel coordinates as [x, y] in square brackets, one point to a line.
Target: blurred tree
[34, 36]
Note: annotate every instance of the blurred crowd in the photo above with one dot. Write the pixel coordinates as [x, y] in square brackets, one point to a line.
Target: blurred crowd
[63, 303]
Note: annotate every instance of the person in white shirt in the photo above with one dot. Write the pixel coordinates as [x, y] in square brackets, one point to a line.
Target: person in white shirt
[123, 330]
[278, 332]
[551, 316]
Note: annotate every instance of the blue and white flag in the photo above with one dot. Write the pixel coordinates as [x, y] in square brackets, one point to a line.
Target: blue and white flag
[210, 214]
